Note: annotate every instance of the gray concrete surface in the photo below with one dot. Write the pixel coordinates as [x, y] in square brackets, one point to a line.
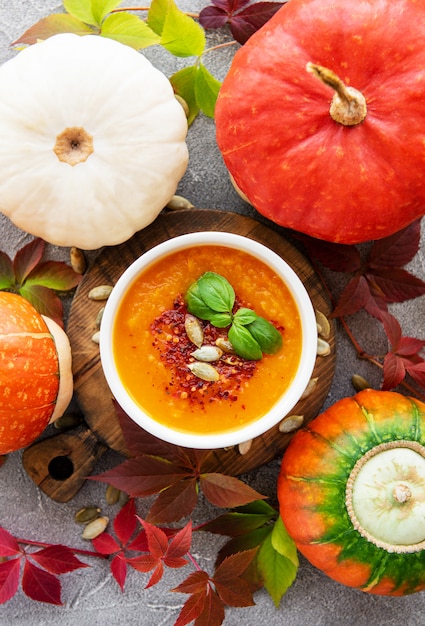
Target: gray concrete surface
[91, 596]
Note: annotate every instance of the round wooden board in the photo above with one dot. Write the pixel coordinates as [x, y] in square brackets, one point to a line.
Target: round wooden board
[92, 392]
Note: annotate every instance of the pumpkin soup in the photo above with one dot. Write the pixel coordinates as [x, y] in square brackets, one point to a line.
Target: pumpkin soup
[155, 352]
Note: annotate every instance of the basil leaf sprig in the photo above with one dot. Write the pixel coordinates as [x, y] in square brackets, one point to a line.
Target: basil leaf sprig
[212, 298]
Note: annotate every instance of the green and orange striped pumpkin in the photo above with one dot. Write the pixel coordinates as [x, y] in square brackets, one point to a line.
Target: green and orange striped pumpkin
[35, 372]
[352, 492]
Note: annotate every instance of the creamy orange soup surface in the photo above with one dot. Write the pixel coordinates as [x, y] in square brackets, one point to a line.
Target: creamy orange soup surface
[152, 350]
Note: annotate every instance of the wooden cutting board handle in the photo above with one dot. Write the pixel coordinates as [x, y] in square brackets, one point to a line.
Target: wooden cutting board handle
[60, 464]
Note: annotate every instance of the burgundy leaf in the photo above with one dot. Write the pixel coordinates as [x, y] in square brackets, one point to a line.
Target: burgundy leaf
[394, 371]
[335, 256]
[392, 329]
[192, 608]
[173, 503]
[213, 611]
[125, 522]
[57, 559]
[227, 491]
[417, 372]
[143, 476]
[397, 284]
[44, 300]
[8, 544]
[354, 297]
[7, 275]
[119, 570]
[251, 19]
[9, 579]
[27, 258]
[55, 275]
[235, 592]
[181, 542]
[410, 346]
[213, 17]
[396, 250]
[105, 544]
[40, 585]
[234, 565]
[194, 583]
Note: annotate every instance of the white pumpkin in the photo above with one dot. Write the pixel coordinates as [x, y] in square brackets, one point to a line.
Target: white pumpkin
[92, 141]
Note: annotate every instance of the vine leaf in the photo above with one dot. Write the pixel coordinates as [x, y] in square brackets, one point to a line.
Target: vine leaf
[174, 473]
[403, 357]
[130, 30]
[243, 20]
[90, 11]
[53, 25]
[38, 281]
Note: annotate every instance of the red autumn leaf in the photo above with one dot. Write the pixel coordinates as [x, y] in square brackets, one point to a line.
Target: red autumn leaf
[119, 570]
[143, 562]
[53, 25]
[125, 522]
[181, 542]
[27, 258]
[57, 559]
[55, 275]
[173, 503]
[9, 579]
[396, 285]
[233, 590]
[40, 585]
[105, 544]
[227, 491]
[192, 609]
[397, 249]
[44, 300]
[194, 583]
[139, 543]
[417, 372]
[353, 298]
[213, 611]
[403, 356]
[157, 539]
[156, 575]
[394, 371]
[234, 565]
[8, 544]
[335, 256]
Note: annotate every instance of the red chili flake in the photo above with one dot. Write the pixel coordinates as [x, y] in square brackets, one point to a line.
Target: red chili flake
[175, 348]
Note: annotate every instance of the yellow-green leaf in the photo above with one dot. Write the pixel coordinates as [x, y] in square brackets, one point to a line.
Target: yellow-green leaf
[101, 8]
[181, 35]
[157, 14]
[283, 543]
[183, 83]
[53, 25]
[90, 11]
[130, 30]
[276, 571]
[206, 90]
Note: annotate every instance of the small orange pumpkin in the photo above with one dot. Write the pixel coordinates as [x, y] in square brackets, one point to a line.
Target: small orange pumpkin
[35, 372]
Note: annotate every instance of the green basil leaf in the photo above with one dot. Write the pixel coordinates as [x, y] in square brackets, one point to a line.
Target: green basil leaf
[244, 316]
[244, 343]
[221, 320]
[196, 305]
[266, 335]
[216, 292]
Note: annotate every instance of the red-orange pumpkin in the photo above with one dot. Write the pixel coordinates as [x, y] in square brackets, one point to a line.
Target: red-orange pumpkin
[352, 492]
[297, 162]
[35, 372]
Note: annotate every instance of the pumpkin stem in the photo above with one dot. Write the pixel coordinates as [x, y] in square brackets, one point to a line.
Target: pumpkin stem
[73, 145]
[348, 106]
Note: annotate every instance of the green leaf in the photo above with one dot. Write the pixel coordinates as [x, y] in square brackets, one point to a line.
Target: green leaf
[44, 300]
[130, 30]
[242, 520]
[53, 25]
[216, 292]
[276, 570]
[157, 14]
[244, 316]
[221, 320]
[196, 305]
[283, 543]
[90, 11]
[180, 34]
[206, 90]
[27, 258]
[266, 335]
[183, 83]
[55, 275]
[244, 343]
[7, 275]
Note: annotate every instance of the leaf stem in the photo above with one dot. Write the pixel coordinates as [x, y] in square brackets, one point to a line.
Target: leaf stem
[42, 544]
[219, 46]
[122, 9]
[193, 561]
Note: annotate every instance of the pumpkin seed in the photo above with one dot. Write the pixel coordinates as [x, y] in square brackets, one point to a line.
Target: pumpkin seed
[87, 514]
[207, 353]
[96, 337]
[204, 371]
[99, 316]
[101, 292]
[95, 528]
[67, 421]
[311, 386]
[112, 494]
[77, 260]
[225, 345]
[359, 383]
[194, 330]
[245, 447]
[177, 203]
[323, 348]
[123, 499]
[290, 423]
[323, 325]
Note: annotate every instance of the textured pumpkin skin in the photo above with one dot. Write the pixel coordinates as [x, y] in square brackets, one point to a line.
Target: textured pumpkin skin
[293, 162]
[138, 132]
[312, 491]
[29, 373]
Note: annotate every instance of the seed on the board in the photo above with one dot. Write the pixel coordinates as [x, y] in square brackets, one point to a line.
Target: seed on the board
[96, 337]
[245, 447]
[67, 421]
[324, 327]
[87, 514]
[311, 386]
[99, 316]
[207, 353]
[204, 371]
[290, 423]
[95, 528]
[178, 203]
[112, 494]
[323, 348]
[101, 292]
[78, 260]
[194, 330]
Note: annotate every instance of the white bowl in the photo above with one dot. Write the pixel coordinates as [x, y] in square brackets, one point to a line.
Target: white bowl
[289, 398]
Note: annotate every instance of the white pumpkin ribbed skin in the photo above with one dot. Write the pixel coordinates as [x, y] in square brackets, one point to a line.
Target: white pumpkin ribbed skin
[138, 130]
